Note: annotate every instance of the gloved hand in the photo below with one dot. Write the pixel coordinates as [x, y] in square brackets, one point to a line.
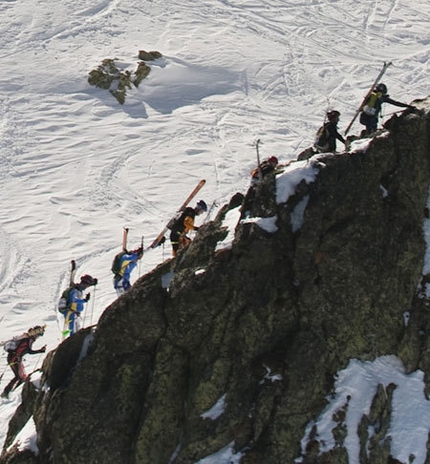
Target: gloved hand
[43, 349]
[87, 297]
[95, 281]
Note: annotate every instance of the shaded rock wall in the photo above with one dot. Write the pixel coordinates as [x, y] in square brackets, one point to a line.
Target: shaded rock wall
[261, 328]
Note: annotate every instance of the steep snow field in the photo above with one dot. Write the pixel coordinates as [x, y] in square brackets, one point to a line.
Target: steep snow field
[76, 167]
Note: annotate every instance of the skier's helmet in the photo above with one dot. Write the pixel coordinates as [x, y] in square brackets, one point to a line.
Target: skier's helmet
[331, 115]
[138, 251]
[88, 280]
[37, 331]
[382, 88]
[202, 205]
[273, 160]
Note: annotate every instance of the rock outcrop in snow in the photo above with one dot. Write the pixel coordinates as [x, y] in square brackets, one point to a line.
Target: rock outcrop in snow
[235, 344]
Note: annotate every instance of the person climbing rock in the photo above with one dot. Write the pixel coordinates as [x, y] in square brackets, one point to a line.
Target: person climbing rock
[327, 135]
[123, 265]
[183, 225]
[17, 348]
[72, 303]
[370, 114]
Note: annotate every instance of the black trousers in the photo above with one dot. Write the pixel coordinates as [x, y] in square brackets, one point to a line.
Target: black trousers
[15, 363]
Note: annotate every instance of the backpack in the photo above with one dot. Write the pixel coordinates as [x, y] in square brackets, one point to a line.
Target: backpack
[12, 344]
[116, 263]
[321, 139]
[63, 302]
[255, 174]
[177, 222]
[370, 107]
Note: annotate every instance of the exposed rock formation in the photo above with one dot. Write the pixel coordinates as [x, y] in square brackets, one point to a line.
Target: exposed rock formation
[259, 329]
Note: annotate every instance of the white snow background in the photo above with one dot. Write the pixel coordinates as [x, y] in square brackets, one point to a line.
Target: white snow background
[76, 167]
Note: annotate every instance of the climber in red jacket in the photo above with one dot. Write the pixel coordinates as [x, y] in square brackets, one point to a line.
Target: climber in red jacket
[23, 346]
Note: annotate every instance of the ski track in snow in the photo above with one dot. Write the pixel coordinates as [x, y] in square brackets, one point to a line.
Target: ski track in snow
[75, 167]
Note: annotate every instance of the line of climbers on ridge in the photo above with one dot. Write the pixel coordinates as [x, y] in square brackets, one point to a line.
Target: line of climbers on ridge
[72, 301]
[125, 261]
[325, 142]
[328, 134]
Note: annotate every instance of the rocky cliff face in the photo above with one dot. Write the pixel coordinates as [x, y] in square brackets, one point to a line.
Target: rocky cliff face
[258, 329]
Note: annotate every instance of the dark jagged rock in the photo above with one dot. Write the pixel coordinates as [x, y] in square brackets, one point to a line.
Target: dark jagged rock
[22, 414]
[261, 327]
[149, 56]
[15, 456]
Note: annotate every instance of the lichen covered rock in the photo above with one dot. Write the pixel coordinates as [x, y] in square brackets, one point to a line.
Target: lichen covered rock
[109, 75]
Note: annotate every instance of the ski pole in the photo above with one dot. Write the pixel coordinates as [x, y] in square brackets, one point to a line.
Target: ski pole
[140, 260]
[92, 305]
[260, 172]
[213, 205]
[394, 112]
[4, 370]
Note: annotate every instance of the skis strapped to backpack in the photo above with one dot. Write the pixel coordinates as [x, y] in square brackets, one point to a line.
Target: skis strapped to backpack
[360, 108]
[160, 236]
[260, 172]
[63, 302]
[116, 263]
[72, 272]
[124, 239]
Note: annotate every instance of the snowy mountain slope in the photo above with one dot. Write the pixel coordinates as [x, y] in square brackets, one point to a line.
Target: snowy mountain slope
[76, 167]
